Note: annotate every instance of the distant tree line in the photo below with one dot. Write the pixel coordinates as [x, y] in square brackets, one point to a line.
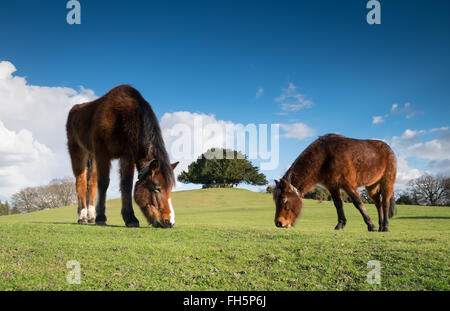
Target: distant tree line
[4, 208]
[426, 190]
[58, 193]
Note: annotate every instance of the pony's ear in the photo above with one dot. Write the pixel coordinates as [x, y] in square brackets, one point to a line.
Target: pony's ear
[174, 165]
[154, 164]
[284, 184]
[277, 183]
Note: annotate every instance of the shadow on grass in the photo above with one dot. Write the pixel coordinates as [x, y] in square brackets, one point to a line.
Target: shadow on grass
[84, 225]
[424, 217]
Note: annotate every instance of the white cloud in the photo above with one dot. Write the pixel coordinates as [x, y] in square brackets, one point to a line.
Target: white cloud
[435, 149]
[184, 129]
[377, 120]
[406, 110]
[33, 130]
[19, 147]
[297, 130]
[33, 141]
[414, 143]
[23, 160]
[187, 135]
[441, 166]
[291, 100]
[40, 109]
[6, 70]
[259, 93]
[197, 137]
[405, 173]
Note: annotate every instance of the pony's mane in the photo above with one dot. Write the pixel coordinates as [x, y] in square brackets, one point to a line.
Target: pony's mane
[307, 157]
[152, 139]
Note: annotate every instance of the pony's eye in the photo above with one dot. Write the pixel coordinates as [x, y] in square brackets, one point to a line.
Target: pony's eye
[157, 189]
[283, 199]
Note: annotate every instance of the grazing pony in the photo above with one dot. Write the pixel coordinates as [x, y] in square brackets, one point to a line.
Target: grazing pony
[338, 162]
[120, 125]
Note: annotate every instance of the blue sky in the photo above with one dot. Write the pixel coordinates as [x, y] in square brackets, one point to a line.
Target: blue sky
[211, 57]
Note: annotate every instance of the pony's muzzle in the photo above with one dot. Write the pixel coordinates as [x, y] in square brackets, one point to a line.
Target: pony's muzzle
[167, 224]
[279, 224]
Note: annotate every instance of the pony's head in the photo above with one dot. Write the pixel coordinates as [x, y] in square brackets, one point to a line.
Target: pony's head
[288, 202]
[152, 194]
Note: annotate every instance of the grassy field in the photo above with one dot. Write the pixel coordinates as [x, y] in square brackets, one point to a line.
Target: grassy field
[225, 239]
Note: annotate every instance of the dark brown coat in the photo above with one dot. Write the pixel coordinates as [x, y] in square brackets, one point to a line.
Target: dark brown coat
[120, 125]
[338, 162]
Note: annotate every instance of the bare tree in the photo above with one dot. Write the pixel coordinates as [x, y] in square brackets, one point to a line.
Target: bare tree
[65, 190]
[24, 200]
[430, 190]
[60, 192]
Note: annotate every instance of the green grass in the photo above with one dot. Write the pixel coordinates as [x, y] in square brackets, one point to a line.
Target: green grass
[225, 239]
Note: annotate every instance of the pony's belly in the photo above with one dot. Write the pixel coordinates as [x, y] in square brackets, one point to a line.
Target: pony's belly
[369, 179]
[116, 153]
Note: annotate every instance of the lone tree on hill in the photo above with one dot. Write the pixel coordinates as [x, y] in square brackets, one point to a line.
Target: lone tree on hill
[222, 168]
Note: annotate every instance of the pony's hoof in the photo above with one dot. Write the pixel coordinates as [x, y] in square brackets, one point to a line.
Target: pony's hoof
[372, 228]
[385, 229]
[340, 226]
[91, 221]
[82, 221]
[133, 225]
[100, 223]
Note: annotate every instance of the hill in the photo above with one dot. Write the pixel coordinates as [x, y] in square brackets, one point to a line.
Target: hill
[225, 239]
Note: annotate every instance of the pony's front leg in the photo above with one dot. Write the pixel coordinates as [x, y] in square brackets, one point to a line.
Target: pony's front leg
[126, 187]
[337, 200]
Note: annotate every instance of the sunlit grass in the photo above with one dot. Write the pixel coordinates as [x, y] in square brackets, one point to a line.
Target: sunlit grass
[225, 239]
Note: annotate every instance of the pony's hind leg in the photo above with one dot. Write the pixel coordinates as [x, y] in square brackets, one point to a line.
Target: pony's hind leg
[91, 189]
[126, 187]
[337, 200]
[103, 168]
[79, 167]
[374, 194]
[356, 199]
[386, 194]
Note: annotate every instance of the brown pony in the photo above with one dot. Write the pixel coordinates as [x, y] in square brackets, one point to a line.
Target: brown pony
[338, 162]
[120, 125]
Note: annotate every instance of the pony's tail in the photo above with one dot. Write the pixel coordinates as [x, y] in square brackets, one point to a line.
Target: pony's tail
[392, 207]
